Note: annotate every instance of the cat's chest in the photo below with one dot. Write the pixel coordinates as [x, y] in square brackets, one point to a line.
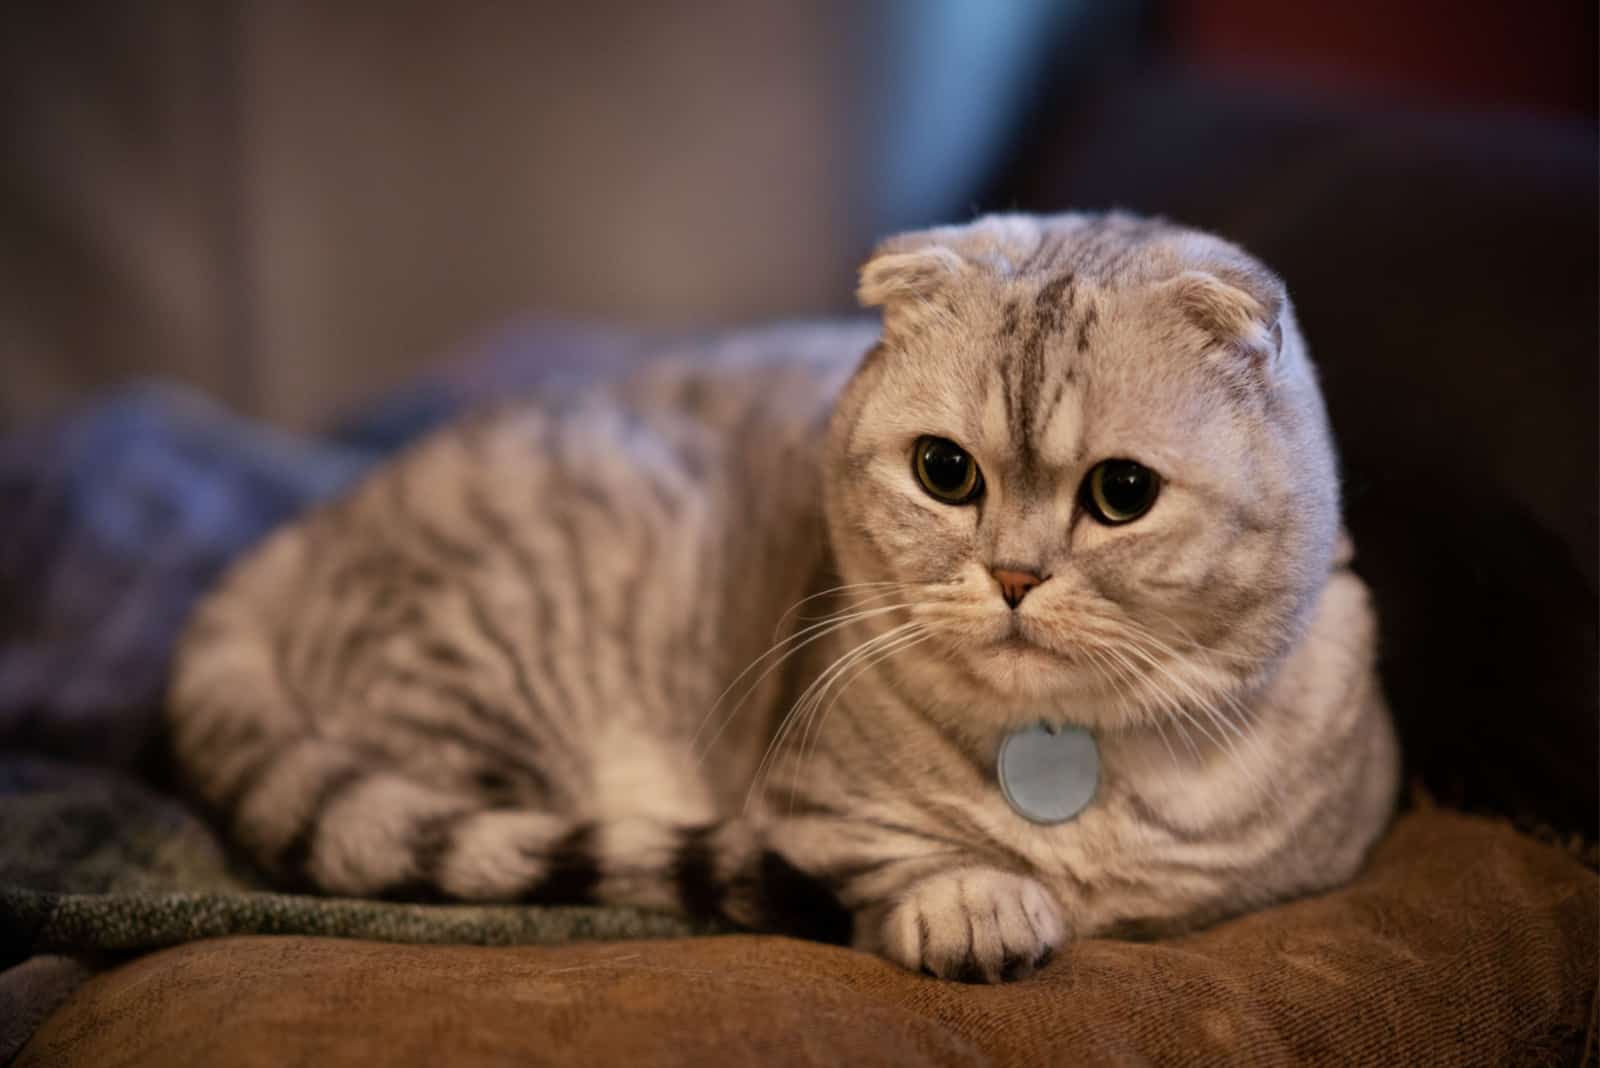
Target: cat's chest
[1033, 834]
[1070, 832]
[1151, 826]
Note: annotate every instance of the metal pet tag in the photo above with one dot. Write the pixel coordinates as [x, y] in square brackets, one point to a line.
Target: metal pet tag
[1049, 774]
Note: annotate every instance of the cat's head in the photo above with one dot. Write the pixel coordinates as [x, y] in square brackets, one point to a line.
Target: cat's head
[1091, 453]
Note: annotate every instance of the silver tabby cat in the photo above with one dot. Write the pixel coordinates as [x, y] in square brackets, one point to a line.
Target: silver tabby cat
[1082, 475]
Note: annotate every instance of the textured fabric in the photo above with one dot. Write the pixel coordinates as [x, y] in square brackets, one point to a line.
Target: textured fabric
[1464, 943]
[91, 860]
[116, 519]
[30, 992]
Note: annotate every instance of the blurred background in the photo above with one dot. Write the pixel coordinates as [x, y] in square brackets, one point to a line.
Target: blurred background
[293, 205]
[296, 206]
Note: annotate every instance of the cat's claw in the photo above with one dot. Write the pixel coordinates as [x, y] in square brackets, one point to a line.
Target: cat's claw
[973, 925]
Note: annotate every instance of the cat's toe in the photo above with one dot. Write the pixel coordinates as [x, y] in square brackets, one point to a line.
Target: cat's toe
[1020, 966]
[974, 925]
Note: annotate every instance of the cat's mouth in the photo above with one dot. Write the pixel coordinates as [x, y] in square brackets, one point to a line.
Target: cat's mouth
[1016, 639]
[1029, 639]
[1016, 645]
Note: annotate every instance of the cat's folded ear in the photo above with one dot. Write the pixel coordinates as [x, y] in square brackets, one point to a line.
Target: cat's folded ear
[914, 267]
[905, 277]
[1238, 306]
[906, 273]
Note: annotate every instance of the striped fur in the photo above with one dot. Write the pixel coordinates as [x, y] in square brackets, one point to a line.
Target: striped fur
[508, 666]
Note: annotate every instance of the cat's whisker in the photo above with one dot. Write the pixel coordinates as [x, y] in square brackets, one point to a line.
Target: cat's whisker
[787, 725]
[1189, 643]
[1100, 665]
[1157, 678]
[1247, 758]
[863, 601]
[805, 704]
[817, 720]
[1156, 644]
[859, 655]
[809, 634]
[1151, 648]
[1153, 714]
[1156, 664]
[1221, 693]
[884, 589]
[1123, 677]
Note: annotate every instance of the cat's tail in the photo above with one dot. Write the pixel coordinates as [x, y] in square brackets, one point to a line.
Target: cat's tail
[324, 815]
[333, 820]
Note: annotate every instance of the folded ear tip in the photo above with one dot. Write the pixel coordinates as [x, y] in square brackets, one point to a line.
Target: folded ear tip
[891, 274]
[1227, 307]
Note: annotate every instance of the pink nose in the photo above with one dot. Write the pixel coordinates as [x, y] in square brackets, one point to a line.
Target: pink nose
[1014, 585]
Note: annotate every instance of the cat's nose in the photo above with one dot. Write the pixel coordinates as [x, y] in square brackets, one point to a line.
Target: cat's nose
[1015, 583]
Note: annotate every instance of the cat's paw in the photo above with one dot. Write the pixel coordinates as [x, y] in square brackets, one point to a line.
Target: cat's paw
[974, 925]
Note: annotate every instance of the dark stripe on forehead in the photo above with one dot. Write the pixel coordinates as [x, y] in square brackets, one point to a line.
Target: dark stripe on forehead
[1087, 323]
[1010, 320]
[1051, 306]
[1008, 391]
[1049, 412]
[1054, 301]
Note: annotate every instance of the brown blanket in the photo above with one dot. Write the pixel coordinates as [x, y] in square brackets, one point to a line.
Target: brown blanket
[1463, 943]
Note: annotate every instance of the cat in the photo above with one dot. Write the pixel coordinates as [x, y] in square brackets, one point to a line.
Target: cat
[1080, 477]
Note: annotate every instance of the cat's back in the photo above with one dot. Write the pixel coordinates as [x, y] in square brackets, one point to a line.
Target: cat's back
[725, 395]
[710, 441]
[602, 553]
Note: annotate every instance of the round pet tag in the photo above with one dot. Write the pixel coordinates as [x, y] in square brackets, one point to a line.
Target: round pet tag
[1049, 774]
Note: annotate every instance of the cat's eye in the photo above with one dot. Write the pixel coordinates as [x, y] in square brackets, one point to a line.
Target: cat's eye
[1119, 491]
[946, 471]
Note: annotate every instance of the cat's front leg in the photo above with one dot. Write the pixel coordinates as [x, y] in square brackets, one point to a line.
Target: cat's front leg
[973, 924]
[923, 895]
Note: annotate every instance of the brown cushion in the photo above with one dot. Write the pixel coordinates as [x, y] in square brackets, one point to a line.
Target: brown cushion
[1463, 943]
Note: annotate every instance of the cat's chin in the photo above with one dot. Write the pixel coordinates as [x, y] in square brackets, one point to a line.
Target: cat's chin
[1015, 680]
[1020, 645]
[1016, 668]
[1009, 669]
[1016, 697]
